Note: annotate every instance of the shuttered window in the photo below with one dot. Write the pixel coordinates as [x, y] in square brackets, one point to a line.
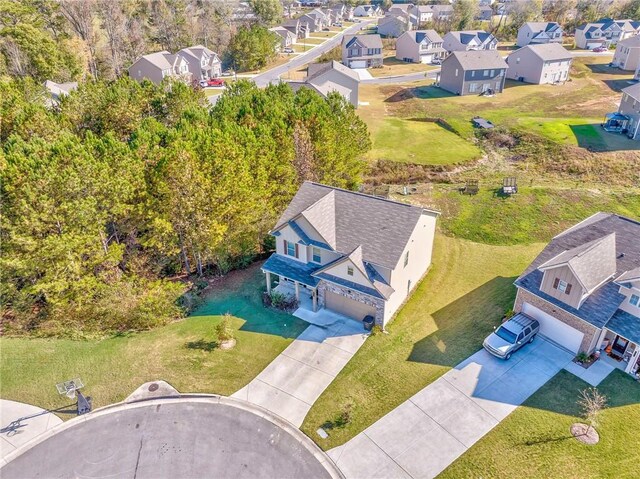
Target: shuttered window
[290, 249]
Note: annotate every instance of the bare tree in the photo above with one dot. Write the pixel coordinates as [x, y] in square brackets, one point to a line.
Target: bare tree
[79, 14]
[592, 402]
[114, 23]
[304, 160]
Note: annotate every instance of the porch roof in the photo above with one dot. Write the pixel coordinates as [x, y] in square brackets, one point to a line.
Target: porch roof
[292, 269]
[626, 325]
[350, 285]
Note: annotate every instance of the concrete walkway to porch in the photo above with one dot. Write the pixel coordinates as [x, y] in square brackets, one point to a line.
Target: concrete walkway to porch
[294, 380]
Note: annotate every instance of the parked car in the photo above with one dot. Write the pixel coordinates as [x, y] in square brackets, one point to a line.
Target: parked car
[511, 336]
[436, 61]
[203, 83]
[215, 82]
[600, 49]
[228, 73]
[337, 24]
[288, 50]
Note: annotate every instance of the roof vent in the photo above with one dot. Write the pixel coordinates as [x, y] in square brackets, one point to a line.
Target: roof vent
[621, 255]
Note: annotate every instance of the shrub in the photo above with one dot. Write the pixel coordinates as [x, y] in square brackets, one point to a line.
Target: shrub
[224, 330]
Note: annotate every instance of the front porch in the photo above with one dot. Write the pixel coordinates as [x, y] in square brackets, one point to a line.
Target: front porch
[615, 123]
[617, 350]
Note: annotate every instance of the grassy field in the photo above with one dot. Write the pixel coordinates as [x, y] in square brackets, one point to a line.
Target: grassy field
[312, 41]
[330, 34]
[392, 66]
[419, 142]
[301, 48]
[535, 442]
[182, 353]
[464, 295]
[535, 214]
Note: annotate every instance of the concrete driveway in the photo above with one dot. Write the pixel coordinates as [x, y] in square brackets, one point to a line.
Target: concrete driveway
[426, 433]
[294, 380]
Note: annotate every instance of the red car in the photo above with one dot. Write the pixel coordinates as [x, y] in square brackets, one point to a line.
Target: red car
[215, 82]
[600, 49]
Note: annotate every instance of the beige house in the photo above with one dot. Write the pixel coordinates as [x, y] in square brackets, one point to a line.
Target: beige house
[287, 37]
[461, 41]
[584, 289]
[419, 46]
[329, 77]
[540, 64]
[204, 64]
[627, 55]
[354, 254]
[539, 32]
[362, 51]
[155, 67]
[395, 24]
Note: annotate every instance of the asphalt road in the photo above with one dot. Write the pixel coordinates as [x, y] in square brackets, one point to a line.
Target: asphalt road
[170, 438]
[274, 74]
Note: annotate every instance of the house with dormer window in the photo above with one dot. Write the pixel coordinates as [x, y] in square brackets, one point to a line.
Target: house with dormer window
[584, 289]
[160, 65]
[539, 33]
[463, 41]
[351, 253]
[419, 46]
[204, 64]
[605, 33]
[362, 51]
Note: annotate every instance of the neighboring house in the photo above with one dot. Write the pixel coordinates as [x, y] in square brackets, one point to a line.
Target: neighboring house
[540, 64]
[58, 90]
[636, 77]
[287, 37]
[322, 20]
[394, 25]
[160, 65]
[539, 32]
[473, 72]
[424, 13]
[419, 46]
[469, 40]
[627, 55]
[204, 64]
[329, 77]
[605, 32]
[401, 7]
[296, 27]
[485, 13]
[310, 22]
[442, 12]
[630, 108]
[584, 288]
[365, 11]
[351, 253]
[362, 51]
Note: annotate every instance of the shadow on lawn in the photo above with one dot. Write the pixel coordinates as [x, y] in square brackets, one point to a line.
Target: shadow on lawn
[593, 137]
[464, 323]
[422, 93]
[618, 85]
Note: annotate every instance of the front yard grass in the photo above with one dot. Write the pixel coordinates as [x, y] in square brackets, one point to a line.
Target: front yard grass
[182, 353]
[535, 442]
[392, 66]
[312, 41]
[419, 142]
[469, 287]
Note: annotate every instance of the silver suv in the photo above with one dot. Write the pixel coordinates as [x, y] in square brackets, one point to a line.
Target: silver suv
[511, 336]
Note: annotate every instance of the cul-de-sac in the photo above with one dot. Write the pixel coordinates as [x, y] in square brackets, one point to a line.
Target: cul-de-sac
[304, 239]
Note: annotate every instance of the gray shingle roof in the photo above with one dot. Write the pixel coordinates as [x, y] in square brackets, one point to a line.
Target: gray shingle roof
[626, 325]
[478, 59]
[369, 40]
[633, 91]
[419, 35]
[542, 26]
[631, 42]
[383, 227]
[292, 269]
[316, 69]
[600, 306]
[548, 51]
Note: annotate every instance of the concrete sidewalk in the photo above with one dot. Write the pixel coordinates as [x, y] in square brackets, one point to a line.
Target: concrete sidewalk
[426, 433]
[294, 380]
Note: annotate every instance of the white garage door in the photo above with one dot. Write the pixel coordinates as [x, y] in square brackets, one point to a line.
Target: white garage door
[348, 307]
[554, 329]
[359, 64]
[426, 58]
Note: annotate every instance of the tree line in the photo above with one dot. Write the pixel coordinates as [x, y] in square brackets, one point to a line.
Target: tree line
[124, 187]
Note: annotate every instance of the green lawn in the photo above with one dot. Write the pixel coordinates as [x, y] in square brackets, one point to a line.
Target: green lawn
[534, 214]
[421, 142]
[464, 295]
[301, 48]
[182, 353]
[312, 41]
[535, 442]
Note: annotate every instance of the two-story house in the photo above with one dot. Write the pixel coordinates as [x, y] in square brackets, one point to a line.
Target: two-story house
[461, 41]
[605, 32]
[392, 25]
[630, 107]
[539, 32]
[354, 254]
[367, 11]
[325, 78]
[204, 64]
[155, 67]
[627, 54]
[473, 73]
[419, 46]
[287, 37]
[298, 28]
[584, 289]
[540, 64]
[362, 51]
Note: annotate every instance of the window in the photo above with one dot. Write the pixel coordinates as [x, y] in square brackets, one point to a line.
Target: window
[317, 257]
[456, 72]
[290, 249]
[473, 73]
[634, 299]
[408, 286]
[520, 337]
[562, 286]
[473, 87]
[406, 259]
[485, 73]
[493, 73]
[350, 270]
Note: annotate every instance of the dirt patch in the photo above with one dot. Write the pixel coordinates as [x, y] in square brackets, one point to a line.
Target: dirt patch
[585, 434]
[231, 281]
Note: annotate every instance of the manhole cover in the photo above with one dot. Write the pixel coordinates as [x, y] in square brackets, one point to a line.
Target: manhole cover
[153, 387]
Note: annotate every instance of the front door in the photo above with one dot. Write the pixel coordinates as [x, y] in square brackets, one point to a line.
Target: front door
[619, 346]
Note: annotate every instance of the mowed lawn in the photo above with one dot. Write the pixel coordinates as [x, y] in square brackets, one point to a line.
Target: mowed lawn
[465, 294]
[183, 353]
[535, 442]
[419, 142]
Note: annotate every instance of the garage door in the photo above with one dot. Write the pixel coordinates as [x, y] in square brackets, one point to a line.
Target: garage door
[426, 58]
[348, 307]
[554, 329]
[359, 64]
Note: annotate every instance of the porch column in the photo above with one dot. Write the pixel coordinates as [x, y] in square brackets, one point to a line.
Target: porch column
[314, 296]
[603, 333]
[633, 360]
[297, 291]
[268, 282]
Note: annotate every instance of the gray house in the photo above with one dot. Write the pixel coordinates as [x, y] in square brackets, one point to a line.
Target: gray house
[287, 37]
[630, 108]
[469, 40]
[419, 46]
[395, 24]
[295, 26]
[157, 66]
[58, 90]
[627, 55]
[473, 72]
[540, 64]
[329, 77]
[204, 64]
[362, 51]
[605, 32]
[485, 13]
[539, 32]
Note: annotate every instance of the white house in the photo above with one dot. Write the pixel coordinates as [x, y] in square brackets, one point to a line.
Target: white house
[355, 254]
[469, 40]
[605, 33]
[539, 32]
